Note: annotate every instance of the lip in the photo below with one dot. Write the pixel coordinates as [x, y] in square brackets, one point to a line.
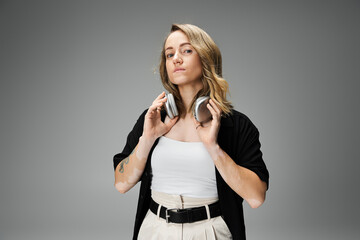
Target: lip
[179, 70]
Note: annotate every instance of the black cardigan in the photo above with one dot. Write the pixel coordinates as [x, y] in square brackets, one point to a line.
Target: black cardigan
[239, 138]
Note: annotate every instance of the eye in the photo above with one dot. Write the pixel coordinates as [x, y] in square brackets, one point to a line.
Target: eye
[169, 55]
[187, 51]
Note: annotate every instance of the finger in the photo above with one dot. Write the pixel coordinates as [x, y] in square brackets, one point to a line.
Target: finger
[151, 108]
[153, 113]
[155, 106]
[211, 109]
[215, 107]
[161, 100]
[215, 116]
[172, 122]
[160, 96]
[158, 104]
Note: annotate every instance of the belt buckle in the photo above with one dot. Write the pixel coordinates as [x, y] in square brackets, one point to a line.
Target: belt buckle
[167, 215]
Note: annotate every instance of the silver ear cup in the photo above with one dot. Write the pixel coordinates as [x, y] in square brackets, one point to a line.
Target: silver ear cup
[201, 112]
[173, 107]
[170, 106]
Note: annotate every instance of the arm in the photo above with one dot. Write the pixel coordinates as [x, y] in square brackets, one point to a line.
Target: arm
[242, 180]
[140, 141]
[130, 169]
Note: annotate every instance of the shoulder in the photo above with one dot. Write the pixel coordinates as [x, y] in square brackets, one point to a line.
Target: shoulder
[240, 121]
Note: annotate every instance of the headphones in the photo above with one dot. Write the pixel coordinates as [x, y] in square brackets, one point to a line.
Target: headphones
[201, 112]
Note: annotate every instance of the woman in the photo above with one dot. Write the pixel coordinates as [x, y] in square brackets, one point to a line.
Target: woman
[194, 176]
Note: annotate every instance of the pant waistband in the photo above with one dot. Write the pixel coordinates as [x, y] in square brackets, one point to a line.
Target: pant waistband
[178, 201]
[187, 215]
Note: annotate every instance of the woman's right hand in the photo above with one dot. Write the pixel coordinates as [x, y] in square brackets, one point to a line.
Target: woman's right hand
[153, 126]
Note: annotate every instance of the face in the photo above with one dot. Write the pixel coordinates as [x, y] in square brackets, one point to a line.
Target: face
[183, 63]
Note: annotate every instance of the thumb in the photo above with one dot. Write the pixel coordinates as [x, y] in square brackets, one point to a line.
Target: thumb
[172, 122]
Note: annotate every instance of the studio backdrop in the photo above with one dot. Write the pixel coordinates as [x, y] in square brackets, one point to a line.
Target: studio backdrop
[75, 75]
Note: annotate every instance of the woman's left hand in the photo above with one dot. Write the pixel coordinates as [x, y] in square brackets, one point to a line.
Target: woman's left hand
[208, 131]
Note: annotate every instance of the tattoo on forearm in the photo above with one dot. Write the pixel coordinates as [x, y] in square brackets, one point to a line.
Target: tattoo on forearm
[126, 161]
[121, 167]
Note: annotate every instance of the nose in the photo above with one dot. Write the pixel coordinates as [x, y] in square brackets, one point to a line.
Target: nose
[177, 58]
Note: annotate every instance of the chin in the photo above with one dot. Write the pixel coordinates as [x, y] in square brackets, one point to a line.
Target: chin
[181, 81]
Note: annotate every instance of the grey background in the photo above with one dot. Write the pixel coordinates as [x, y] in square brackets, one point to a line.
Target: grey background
[75, 75]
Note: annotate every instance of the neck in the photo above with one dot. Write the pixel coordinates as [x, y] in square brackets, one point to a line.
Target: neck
[188, 92]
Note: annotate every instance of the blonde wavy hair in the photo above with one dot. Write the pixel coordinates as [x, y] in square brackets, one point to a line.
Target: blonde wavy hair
[213, 84]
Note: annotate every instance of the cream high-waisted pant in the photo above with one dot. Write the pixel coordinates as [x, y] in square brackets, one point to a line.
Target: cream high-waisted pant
[156, 228]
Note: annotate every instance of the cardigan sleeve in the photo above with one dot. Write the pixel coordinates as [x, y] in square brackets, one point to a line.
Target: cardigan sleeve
[132, 140]
[248, 152]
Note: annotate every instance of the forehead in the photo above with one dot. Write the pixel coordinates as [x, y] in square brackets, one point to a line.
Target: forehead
[175, 39]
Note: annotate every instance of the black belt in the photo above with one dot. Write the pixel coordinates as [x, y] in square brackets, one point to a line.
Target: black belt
[187, 215]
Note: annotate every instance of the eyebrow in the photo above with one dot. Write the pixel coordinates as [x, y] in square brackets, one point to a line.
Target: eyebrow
[185, 43]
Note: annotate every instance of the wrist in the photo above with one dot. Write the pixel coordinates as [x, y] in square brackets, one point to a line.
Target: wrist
[143, 148]
[211, 146]
[149, 141]
[214, 150]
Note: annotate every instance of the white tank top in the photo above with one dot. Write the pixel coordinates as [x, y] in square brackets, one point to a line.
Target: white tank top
[183, 168]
